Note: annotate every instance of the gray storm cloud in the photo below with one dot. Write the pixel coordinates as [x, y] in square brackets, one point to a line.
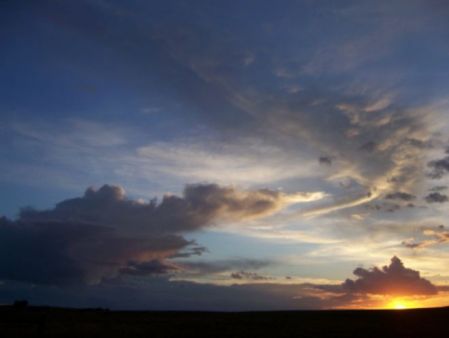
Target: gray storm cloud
[104, 234]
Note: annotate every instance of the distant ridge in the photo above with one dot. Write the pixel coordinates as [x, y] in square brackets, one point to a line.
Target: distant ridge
[45, 321]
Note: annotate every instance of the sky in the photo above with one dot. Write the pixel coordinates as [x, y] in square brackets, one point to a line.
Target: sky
[224, 155]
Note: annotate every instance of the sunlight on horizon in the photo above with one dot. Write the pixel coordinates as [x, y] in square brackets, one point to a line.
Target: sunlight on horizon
[398, 304]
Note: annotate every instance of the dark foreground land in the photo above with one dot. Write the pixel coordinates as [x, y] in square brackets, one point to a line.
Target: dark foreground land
[53, 322]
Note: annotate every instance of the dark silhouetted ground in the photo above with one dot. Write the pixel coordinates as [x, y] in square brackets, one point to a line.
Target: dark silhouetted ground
[53, 322]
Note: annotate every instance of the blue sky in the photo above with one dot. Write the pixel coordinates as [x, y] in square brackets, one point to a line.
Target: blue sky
[287, 143]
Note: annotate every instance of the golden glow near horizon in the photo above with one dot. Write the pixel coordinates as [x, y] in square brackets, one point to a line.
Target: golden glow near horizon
[398, 304]
[402, 302]
[405, 303]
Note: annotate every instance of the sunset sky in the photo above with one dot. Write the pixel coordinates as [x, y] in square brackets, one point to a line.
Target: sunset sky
[224, 155]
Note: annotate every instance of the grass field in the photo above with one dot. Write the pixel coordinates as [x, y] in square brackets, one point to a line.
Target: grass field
[54, 322]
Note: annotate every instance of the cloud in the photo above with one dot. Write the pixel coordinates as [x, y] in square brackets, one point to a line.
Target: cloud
[241, 160]
[392, 134]
[202, 59]
[200, 206]
[438, 188]
[435, 236]
[439, 167]
[104, 234]
[436, 197]
[247, 275]
[393, 279]
[148, 268]
[313, 121]
[160, 293]
[411, 244]
[211, 267]
[56, 252]
[400, 196]
[369, 147]
[327, 160]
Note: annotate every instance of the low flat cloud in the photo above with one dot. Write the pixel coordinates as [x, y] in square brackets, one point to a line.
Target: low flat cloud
[433, 236]
[104, 234]
[148, 268]
[202, 268]
[399, 195]
[438, 188]
[251, 291]
[436, 197]
[248, 275]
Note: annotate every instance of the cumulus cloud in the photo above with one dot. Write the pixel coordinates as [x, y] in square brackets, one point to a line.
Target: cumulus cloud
[104, 234]
[436, 197]
[200, 205]
[393, 279]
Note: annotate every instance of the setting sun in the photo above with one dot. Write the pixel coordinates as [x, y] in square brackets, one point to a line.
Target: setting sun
[400, 304]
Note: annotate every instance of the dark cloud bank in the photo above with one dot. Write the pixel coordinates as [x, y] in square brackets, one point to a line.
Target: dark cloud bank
[158, 293]
[103, 249]
[103, 234]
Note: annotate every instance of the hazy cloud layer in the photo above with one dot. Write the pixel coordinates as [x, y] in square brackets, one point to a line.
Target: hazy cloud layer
[251, 291]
